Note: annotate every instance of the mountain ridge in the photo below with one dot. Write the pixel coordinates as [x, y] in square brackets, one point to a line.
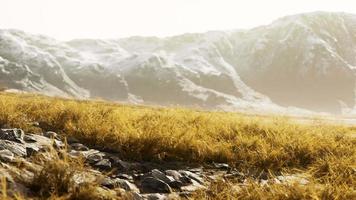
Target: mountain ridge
[300, 62]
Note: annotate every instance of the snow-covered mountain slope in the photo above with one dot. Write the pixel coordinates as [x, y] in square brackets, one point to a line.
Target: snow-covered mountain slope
[304, 61]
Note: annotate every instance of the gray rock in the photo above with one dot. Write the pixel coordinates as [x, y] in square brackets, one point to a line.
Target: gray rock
[127, 185]
[94, 158]
[153, 185]
[15, 134]
[31, 150]
[196, 170]
[75, 154]
[137, 196]
[58, 144]
[117, 182]
[122, 165]
[51, 134]
[192, 176]
[35, 143]
[160, 175]
[29, 138]
[241, 177]
[124, 176]
[84, 177]
[79, 147]
[139, 176]
[12, 174]
[180, 180]
[185, 180]
[6, 155]
[173, 173]
[155, 196]
[109, 183]
[176, 184]
[223, 166]
[16, 148]
[103, 164]
[292, 179]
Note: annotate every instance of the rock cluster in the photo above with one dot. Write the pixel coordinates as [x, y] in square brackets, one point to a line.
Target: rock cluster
[143, 180]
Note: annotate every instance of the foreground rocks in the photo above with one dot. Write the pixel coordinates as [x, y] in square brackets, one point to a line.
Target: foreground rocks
[141, 180]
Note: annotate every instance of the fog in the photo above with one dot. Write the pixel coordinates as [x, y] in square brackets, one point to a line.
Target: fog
[68, 19]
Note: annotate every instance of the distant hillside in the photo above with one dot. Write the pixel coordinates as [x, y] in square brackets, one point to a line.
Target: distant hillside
[304, 61]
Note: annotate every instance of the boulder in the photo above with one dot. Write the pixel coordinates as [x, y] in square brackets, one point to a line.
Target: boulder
[103, 164]
[124, 176]
[16, 148]
[41, 141]
[6, 155]
[160, 175]
[117, 182]
[223, 166]
[31, 150]
[29, 138]
[79, 147]
[173, 173]
[137, 196]
[123, 165]
[92, 156]
[192, 176]
[51, 134]
[16, 135]
[153, 185]
[155, 196]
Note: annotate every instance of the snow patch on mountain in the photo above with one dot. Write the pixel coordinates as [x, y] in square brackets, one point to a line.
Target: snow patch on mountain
[297, 63]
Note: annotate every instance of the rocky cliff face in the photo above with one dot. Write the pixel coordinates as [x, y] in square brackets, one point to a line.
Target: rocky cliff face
[305, 61]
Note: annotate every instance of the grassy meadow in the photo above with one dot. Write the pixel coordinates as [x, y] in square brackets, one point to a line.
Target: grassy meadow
[273, 145]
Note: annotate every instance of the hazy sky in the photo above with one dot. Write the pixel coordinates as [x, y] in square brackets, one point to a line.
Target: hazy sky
[67, 19]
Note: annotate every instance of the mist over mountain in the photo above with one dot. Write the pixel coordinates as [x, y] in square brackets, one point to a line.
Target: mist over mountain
[300, 62]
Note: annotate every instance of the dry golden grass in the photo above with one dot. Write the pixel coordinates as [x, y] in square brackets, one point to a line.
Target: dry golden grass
[253, 191]
[56, 180]
[272, 144]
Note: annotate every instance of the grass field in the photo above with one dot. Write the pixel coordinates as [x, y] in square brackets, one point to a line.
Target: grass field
[273, 144]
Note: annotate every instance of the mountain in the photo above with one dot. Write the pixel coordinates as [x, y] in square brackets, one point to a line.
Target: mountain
[298, 63]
